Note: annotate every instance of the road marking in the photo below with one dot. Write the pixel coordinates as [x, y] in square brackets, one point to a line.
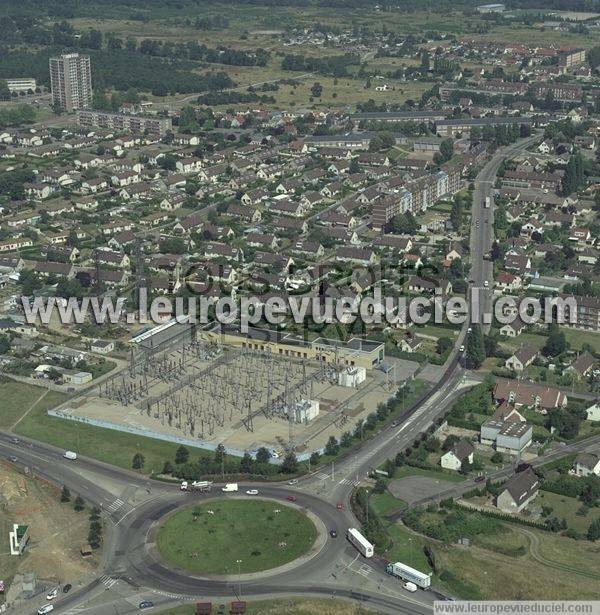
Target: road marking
[107, 581]
[116, 505]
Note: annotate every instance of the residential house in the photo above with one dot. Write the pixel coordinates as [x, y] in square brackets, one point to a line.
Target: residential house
[518, 492]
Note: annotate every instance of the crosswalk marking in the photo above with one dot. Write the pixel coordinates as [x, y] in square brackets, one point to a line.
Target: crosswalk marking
[118, 503]
[107, 581]
[350, 481]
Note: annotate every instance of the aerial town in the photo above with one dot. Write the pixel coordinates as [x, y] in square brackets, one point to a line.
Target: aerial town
[299, 306]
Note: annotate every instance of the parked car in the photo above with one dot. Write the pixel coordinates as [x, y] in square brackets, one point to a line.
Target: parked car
[146, 604]
[53, 594]
[294, 481]
[67, 588]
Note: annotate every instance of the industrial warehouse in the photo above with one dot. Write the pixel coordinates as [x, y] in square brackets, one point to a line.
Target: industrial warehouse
[213, 385]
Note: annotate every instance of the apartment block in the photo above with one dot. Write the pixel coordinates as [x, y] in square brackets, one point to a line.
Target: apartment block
[21, 84]
[121, 122]
[71, 81]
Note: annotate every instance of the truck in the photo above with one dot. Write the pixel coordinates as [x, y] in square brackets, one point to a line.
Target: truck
[410, 575]
[70, 455]
[361, 544]
[229, 487]
[197, 485]
[488, 202]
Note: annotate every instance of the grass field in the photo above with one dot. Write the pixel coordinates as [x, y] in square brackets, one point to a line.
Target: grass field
[577, 338]
[565, 507]
[17, 398]
[106, 445]
[240, 529]
[411, 471]
[385, 503]
[407, 548]
[287, 606]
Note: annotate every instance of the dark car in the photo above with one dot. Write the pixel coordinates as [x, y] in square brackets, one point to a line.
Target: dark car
[67, 588]
[146, 604]
[333, 533]
[479, 479]
[291, 498]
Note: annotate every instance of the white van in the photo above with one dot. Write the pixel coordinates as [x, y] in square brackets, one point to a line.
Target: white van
[70, 455]
[230, 487]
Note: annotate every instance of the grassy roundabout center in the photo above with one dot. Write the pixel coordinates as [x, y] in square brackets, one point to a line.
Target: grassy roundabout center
[210, 538]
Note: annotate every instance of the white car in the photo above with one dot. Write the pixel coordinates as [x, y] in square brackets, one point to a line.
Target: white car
[47, 608]
[252, 492]
[461, 349]
[294, 481]
[485, 283]
[53, 594]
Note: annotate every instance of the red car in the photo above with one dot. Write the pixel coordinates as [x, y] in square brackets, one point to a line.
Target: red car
[340, 506]
[291, 498]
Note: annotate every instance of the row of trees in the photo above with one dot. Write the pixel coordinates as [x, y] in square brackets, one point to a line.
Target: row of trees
[337, 66]
[95, 529]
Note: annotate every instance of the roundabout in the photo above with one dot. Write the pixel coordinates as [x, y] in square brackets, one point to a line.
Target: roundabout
[227, 536]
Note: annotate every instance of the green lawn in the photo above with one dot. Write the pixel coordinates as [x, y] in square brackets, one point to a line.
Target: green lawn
[385, 503]
[107, 445]
[240, 529]
[577, 338]
[16, 398]
[407, 548]
[564, 507]
[405, 471]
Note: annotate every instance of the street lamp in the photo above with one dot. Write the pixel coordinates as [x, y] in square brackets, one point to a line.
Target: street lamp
[367, 492]
[239, 562]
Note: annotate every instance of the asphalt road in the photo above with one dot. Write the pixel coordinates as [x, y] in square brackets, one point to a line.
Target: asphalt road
[482, 233]
[333, 570]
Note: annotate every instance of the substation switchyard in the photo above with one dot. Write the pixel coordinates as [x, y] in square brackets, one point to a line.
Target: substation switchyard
[245, 391]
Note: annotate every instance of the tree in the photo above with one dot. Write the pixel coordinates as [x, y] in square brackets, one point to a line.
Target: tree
[593, 532]
[95, 513]
[315, 458]
[290, 463]
[346, 439]
[65, 494]
[316, 90]
[555, 344]
[167, 468]
[4, 91]
[449, 442]
[138, 461]
[182, 455]
[475, 350]
[332, 447]
[443, 344]
[447, 149]
[405, 223]
[262, 455]
[78, 504]
[220, 453]
[497, 457]
[246, 463]
[95, 534]
[390, 467]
